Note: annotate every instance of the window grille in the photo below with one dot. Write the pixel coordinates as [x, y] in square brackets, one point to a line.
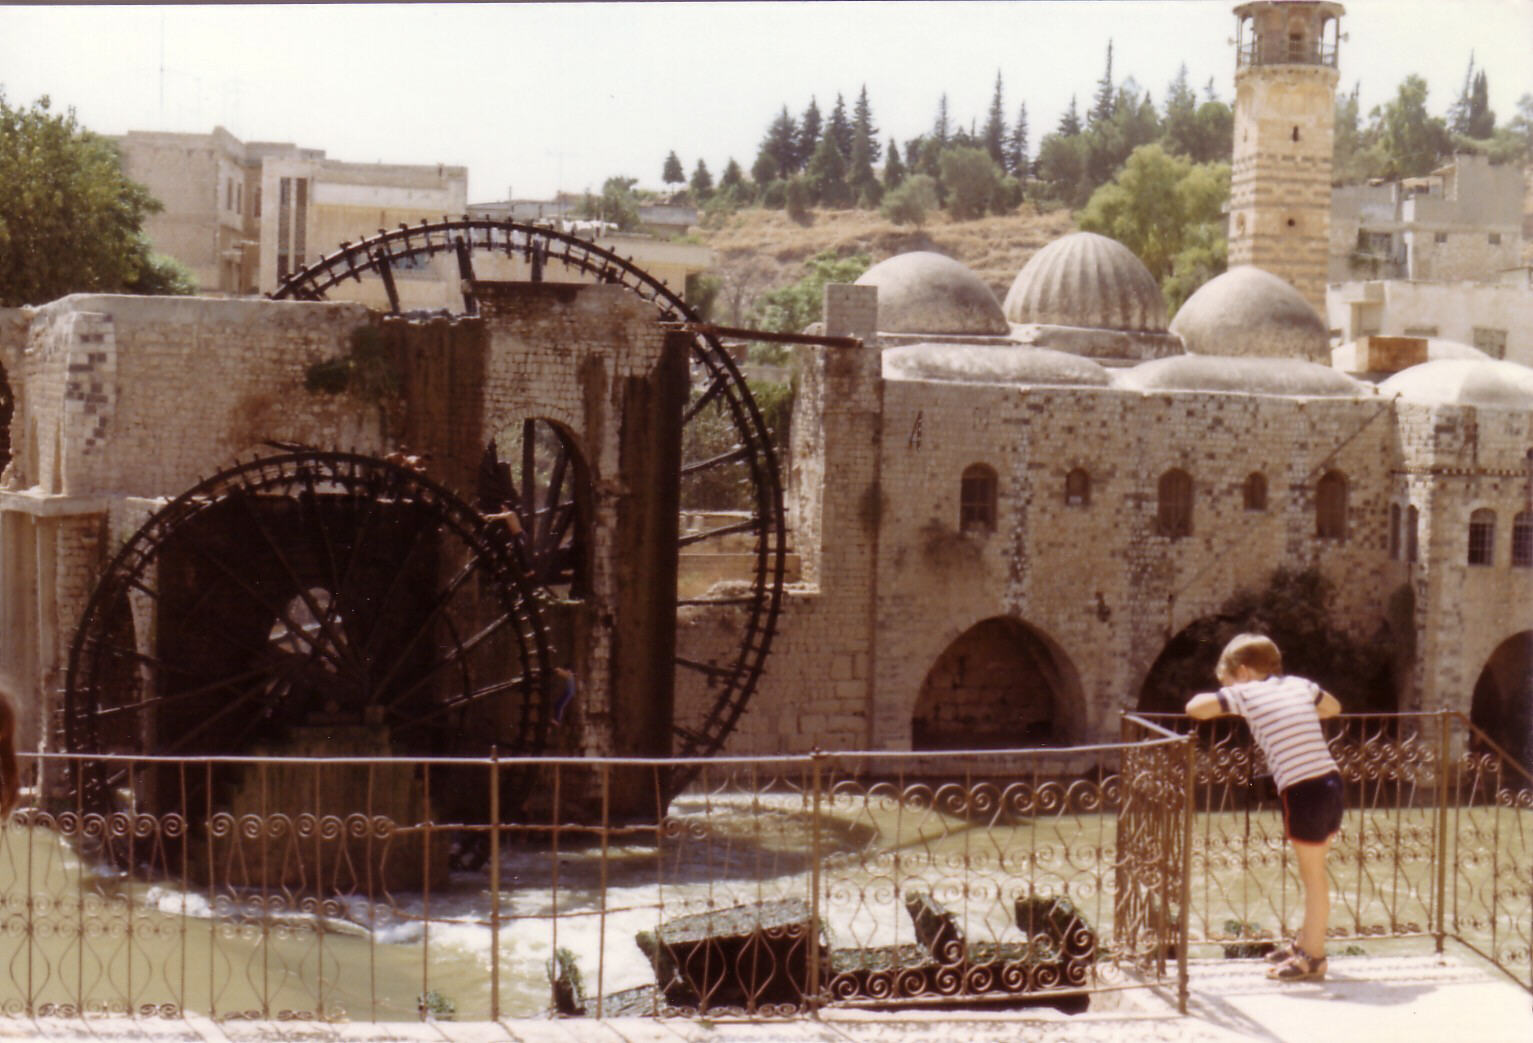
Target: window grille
[976, 499]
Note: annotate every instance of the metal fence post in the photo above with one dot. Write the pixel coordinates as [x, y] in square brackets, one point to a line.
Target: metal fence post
[815, 989]
[494, 883]
[1184, 925]
[1441, 852]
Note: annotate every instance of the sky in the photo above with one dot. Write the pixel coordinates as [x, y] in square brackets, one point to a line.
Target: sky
[534, 97]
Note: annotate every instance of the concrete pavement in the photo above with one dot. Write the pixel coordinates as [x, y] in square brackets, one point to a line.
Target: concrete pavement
[1389, 998]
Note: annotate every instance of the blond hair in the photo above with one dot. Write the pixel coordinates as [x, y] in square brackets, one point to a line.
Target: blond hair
[1256, 651]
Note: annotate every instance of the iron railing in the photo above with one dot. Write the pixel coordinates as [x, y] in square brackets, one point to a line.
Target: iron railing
[384, 890]
[1436, 842]
[375, 889]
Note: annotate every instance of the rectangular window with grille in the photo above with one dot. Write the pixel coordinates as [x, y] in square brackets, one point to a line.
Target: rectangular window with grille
[1522, 541]
[1482, 537]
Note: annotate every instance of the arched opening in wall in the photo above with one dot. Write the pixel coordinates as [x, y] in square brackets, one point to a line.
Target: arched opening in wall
[1365, 668]
[535, 479]
[1331, 506]
[1173, 504]
[1254, 491]
[1502, 706]
[1001, 684]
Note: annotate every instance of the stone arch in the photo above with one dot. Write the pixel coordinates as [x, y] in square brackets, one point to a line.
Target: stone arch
[1502, 705]
[1001, 683]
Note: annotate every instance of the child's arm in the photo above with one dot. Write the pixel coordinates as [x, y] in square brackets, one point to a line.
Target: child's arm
[1205, 705]
[1328, 706]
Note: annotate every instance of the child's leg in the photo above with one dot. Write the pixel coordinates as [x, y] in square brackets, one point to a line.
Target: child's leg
[1317, 895]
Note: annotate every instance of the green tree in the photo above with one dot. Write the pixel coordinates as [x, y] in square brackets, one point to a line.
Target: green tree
[1521, 125]
[733, 178]
[701, 183]
[765, 170]
[809, 125]
[911, 201]
[827, 174]
[1016, 146]
[70, 220]
[1105, 103]
[839, 127]
[1070, 122]
[1062, 168]
[789, 309]
[863, 127]
[617, 204]
[1413, 142]
[972, 179]
[860, 178]
[798, 198]
[995, 126]
[1180, 116]
[672, 173]
[781, 144]
[942, 128]
[1168, 211]
[894, 169]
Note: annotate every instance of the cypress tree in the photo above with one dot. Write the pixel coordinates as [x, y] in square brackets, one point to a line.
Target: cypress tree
[808, 134]
[995, 126]
[1016, 145]
[863, 127]
[672, 173]
[894, 170]
[1105, 104]
[840, 128]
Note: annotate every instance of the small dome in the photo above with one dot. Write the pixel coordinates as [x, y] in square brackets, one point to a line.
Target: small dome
[1248, 311]
[925, 292]
[1345, 357]
[1258, 376]
[1085, 279]
[990, 364]
[1464, 382]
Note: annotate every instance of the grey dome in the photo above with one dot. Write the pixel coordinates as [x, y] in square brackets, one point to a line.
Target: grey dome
[1345, 357]
[1468, 382]
[925, 292]
[1085, 279]
[990, 364]
[1256, 376]
[1248, 311]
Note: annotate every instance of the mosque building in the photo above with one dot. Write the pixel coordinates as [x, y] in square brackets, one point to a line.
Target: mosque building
[1007, 512]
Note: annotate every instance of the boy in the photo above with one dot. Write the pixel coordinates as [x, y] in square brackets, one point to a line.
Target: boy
[1284, 714]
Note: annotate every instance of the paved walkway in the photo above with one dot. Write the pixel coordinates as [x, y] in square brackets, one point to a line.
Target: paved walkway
[1393, 999]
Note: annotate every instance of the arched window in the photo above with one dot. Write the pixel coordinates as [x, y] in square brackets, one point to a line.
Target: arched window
[976, 499]
[1173, 516]
[1522, 540]
[1482, 537]
[1394, 532]
[1412, 520]
[1331, 506]
[1255, 491]
[1077, 488]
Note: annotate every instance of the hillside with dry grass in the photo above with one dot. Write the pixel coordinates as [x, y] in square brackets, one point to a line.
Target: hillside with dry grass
[759, 250]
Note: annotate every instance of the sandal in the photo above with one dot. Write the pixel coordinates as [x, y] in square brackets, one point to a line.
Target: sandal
[1299, 967]
[1283, 953]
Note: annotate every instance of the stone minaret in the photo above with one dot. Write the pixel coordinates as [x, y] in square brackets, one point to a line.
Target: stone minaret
[1285, 111]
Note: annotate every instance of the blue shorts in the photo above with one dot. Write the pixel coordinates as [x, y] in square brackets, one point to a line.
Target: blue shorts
[1312, 809]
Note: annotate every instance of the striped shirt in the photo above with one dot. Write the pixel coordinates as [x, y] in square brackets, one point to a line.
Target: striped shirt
[1281, 713]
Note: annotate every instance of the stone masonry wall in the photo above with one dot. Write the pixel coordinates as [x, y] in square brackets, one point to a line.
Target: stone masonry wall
[143, 396]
